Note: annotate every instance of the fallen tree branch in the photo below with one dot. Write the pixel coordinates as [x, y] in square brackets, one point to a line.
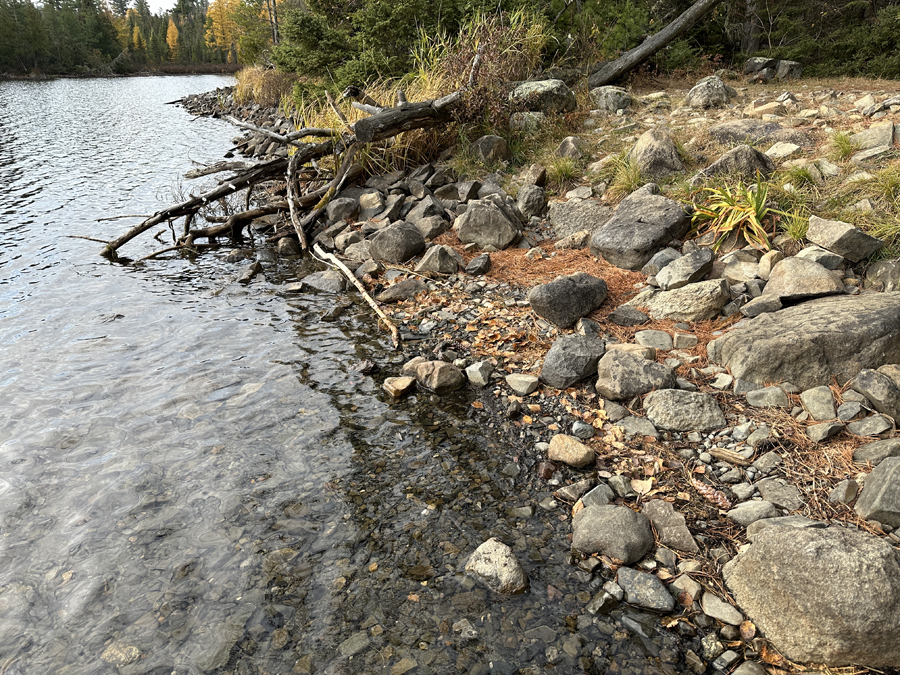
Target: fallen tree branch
[635, 57]
[288, 139]
[232, 225]
[395, 334]
[292, 199]
[218, 167]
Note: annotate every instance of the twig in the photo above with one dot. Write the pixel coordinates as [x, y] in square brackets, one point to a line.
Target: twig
[395, 334]
[81, 236]
[100, 220]
[332, 188]
[292, 199]
[476, 65]
[177, 247]
[368, 109]
[290, 139]
[337, 111]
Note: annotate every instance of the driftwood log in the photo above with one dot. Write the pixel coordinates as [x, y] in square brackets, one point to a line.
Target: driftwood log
[388, 122]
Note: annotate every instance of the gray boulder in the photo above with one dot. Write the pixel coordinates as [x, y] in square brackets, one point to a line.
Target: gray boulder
[842, 238]
[567, 298]
[611, 99]
[568, 218]
[813, 343]
[531, 200]
[486, 223]
[342, 208]
[329, 281]
[397, 243]
[884, 275]
[842, 588]
[819, 403]
[439, 259]
[739, 161]
[877, 451]
[879, 135]
[403, 290]
[710, 92]
[622, 376]
[796, 279]
[817, 254]
[571, 359]
[694, 302]
[546, 96]
[656, 155]
[490, 149]
[757, 63]
[685, 270]
[880, 498]
[494, 564]
[615, 531]
[572, 147]
[882, 392]
[643, 223]
[788, 70]
[679, 410]
[428, 207]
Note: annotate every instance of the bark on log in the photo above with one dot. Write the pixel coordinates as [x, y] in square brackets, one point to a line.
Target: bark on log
[393, 121]
[635, 57]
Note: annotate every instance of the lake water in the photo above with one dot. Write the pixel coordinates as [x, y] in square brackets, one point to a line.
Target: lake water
[194, 479]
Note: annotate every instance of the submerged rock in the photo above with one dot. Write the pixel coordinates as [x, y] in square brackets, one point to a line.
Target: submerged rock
[494, 564]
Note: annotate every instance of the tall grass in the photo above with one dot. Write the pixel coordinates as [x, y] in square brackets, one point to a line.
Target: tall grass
[264, 86]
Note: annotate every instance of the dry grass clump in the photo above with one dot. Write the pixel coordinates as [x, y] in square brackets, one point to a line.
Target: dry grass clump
[264, 86]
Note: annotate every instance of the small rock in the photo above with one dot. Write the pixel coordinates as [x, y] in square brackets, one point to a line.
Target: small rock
[571, 451]
[398, 386]
[717, 608]
[768, 397]
[645, 590]
[750, 512]
[844, 492]
[522, 384]
[494, 564]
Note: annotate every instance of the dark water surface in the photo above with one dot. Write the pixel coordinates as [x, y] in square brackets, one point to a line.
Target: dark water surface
[192, 477]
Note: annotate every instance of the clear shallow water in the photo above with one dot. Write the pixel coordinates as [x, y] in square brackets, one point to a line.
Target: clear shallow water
[192, 477]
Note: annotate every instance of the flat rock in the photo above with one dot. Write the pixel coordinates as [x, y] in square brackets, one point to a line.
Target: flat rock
[398, 386]
[622, 376]
[878, 135]
[522, 384]
[817, 254]
[844, 492]
[570, 359]
[329, 281]
[795, 279]
[713, 606]
[567, 298]
[877, 451]
[615, 531]
[645, 590]
[880, 497]
[694, 302]
[754, 131]
[814, 343]
[659, 340]
[670, 526]
[679, 410]
[796, 522]
[750, 512]
[494, 564]
[873, 425]
[820, 433]
[402, 290]
[780, 493]
[842, 587]
[769, 397]
[568, 218]
[626, 315]
[842, 238]
[685, 270]
[643, 222]
[571, 451]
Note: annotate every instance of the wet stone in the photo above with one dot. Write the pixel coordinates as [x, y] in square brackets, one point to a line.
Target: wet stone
[398, 386]
[645, 590]
[354, 644]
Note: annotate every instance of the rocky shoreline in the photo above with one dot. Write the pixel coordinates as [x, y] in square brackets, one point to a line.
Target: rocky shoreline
[717, 426]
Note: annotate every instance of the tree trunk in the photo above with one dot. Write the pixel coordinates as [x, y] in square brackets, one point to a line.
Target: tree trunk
[750, 39]
[635, 57]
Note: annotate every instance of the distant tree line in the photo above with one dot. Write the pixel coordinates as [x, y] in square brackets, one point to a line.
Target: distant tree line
[352, 41]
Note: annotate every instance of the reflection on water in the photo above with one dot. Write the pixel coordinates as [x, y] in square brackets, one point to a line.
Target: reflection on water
[193, 480]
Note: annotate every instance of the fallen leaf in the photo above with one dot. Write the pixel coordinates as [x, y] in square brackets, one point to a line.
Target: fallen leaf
[534, 407]
[527, 419]
[770, 656]
[412, 597]
[478, 404]
[642, 486]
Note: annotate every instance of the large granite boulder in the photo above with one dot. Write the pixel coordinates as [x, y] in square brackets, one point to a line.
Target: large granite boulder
[823, 595]
[644, 222]
[487, 223]
[567, 298]
[571, 359]
[813, 343]
[656, 155]
[622, 376]
[546, 96]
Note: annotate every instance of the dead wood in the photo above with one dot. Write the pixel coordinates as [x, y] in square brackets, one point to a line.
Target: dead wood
[333, 260]
[631, 59]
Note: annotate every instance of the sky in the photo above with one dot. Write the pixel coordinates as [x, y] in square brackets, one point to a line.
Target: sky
[158, 6]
